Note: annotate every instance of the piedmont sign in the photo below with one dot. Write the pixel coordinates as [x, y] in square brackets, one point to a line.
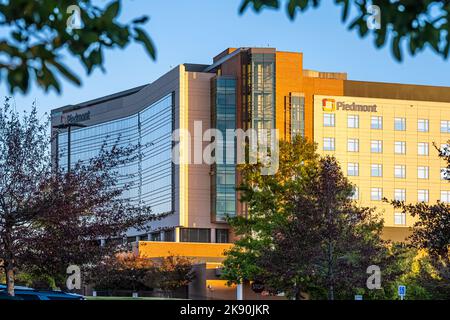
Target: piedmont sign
[330, 105]
[77, 117]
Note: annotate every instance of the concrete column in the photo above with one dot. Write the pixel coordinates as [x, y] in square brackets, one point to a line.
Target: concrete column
[213, 235]
[177, 234]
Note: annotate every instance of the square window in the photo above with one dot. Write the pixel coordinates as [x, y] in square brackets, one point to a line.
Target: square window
[400, 194]
[445, 148]
[353, 169]
[422, 195]
[376, 170]
[376, 123]
[400, 218]
[444, 174]
[400, 147]
[355, 194]
[445, 196]
[328, 120]
[353, 121]
[328, 144]
[400, 124]
[400, 171]
[422, 125]
[376, 194]
[353, 145]
[422, 172]
[445, 126]
[422, 148]
[376, 146]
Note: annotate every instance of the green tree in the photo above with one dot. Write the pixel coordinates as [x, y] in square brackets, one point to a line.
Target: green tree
[431, 236]
[267, 206]
[304, 233]
[418, 23]
[40, 34]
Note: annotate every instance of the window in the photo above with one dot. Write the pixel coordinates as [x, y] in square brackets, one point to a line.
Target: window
[422, 172]
[328, 144]
[376, 170]
[353, 145]
[376, 146]
[297, 101]
[155, 236]
[445, 126]
[355, 195]
[422, 148]
[422, 195]
[169, 235]
[445, 148]
[131, 239]
[376, 194]
[399, 124]
[400, 171]
[400, 218]
[328, 120]
[422, 125]
[400, 147]
[143, 237]
[445, 196]
[222, 236]
[443, 173]
[353, 121]
[195, 235]
[400, 194]
[353, 169]
[376, 123]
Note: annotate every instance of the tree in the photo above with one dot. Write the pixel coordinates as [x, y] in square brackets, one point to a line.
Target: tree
[170, 273]
[431, 238]
[127, 271]
[40, 34]
[418, 23]
[50, 218]
[304, 234]
[122, 271]
[267, 206]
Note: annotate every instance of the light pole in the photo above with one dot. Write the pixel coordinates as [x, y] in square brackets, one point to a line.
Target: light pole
[69, 127]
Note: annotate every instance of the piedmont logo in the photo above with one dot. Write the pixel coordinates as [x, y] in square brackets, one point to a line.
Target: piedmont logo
[72, 118]
[328, 105]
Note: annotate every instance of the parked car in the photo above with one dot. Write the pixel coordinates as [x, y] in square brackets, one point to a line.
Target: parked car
[25, 293]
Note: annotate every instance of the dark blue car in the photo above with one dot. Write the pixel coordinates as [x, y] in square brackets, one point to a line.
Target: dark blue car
[25, 293]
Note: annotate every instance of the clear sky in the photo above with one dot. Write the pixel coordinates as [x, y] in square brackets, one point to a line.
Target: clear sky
[196, 30]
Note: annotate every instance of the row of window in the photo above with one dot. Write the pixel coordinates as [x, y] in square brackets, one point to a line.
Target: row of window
[376, 146]
[376, 170]
[376, 194]
[376, 123]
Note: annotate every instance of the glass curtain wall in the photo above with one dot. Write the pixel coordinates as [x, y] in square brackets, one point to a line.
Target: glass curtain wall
[297, 104]
[223, 115]
[151, 175]
[263, 92]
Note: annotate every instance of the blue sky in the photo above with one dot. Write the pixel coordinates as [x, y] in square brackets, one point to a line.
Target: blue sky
[196, 30]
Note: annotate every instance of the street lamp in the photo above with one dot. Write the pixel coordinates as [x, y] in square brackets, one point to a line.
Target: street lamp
[69, 127]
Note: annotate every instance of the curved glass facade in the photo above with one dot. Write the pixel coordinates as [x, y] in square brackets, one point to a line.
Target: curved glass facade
[151, 175]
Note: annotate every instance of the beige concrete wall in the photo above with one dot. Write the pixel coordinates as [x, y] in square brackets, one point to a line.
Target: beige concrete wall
[388, 109]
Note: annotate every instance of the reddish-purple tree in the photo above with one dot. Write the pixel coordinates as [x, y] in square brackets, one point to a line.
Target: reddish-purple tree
[49, 218]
